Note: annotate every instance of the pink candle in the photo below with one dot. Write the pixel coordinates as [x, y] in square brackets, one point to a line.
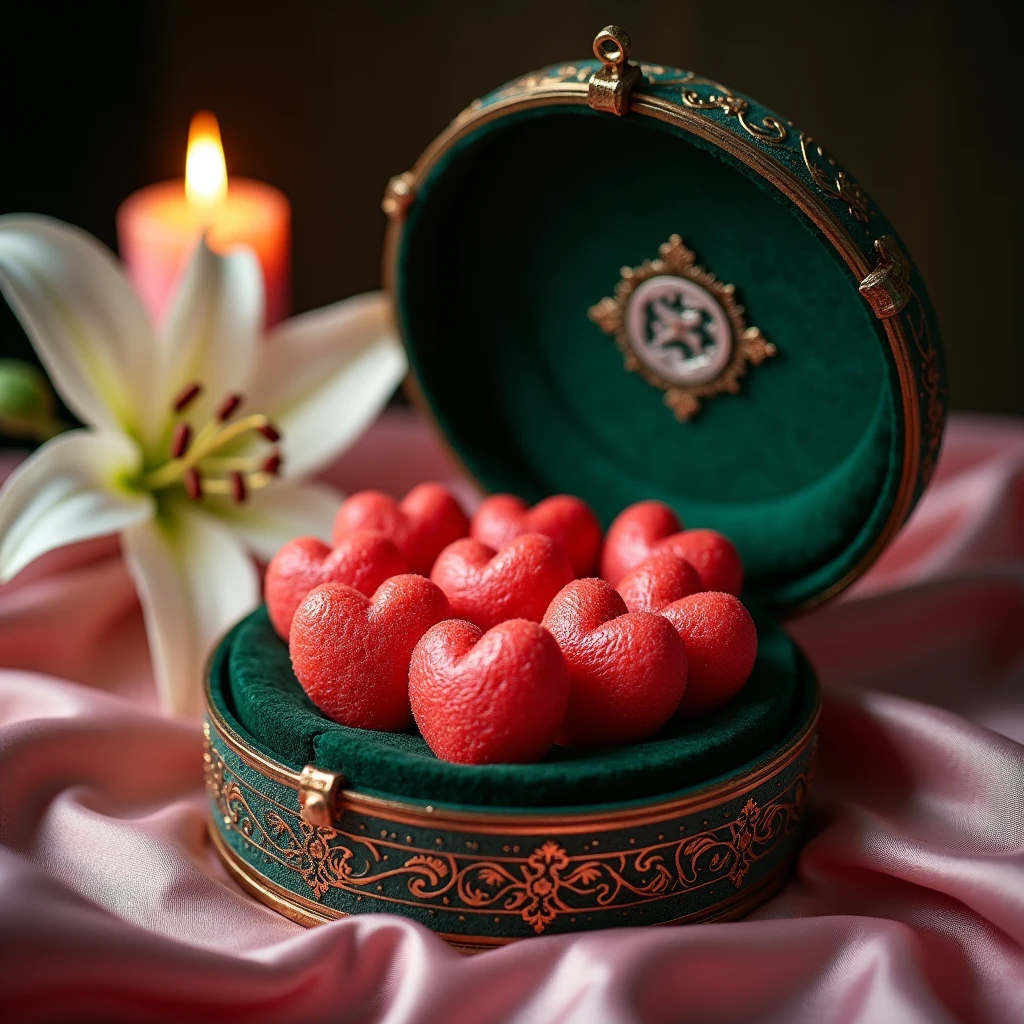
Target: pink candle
[158, 226]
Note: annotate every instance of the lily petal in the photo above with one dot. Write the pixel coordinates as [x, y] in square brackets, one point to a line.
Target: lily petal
[324, 376]
[272, 517]
[69, 490]
[212, 329]
[194, 580]
[83, 318]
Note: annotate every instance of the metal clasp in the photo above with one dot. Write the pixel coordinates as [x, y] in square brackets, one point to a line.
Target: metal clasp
[887, 287]
[318, 795]
[611, 86]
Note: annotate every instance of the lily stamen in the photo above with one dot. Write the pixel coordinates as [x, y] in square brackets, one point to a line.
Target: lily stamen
[228, 406]
[236, 485]
[192, 460]
[187, 396]
[193, 484]
[180, 440]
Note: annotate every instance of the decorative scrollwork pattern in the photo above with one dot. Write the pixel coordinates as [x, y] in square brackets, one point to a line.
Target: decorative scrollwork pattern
[835, 183]
[770, 130]
[538, 885]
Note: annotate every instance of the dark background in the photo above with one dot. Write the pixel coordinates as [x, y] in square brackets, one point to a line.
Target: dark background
[326, 101]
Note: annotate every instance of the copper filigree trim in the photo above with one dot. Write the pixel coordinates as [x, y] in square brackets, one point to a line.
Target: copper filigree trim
[835, 183]
[538, 886]
[771, 131]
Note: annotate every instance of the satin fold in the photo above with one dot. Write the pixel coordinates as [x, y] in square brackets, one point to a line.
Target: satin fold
[907, 904]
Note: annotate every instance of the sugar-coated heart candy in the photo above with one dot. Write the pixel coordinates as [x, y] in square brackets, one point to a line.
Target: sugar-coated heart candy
[488, 698]
[363, 560]
[721, 642]
[567, 520]
[351, 653]
[632, 534]
[487, 587]
[627, 670]
[714, 556]
[425, 522]
[658, 581]
[651, 527]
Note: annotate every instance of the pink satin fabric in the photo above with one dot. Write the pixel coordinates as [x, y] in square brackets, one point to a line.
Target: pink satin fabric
[908, 904]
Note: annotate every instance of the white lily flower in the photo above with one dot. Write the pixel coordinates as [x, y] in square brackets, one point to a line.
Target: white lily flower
[197, 435]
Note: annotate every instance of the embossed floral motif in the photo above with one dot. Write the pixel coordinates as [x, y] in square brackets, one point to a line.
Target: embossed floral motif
[835, 183]
[751, 835]
[320, 863]
[540, 892]
[549, 883]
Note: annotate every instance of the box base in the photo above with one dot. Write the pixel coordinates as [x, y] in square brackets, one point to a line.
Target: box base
[481, 877]
[309, 915]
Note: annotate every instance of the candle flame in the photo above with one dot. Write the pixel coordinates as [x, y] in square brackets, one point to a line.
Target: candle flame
[206, 175]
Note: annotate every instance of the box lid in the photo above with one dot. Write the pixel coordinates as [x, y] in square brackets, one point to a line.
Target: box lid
[624, 281]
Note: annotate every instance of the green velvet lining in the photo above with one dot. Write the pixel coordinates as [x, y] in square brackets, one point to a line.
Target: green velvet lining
[271, 707]
[524, 225]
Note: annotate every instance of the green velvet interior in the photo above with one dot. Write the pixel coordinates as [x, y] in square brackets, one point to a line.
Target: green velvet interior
[525, 224]
[255, 686]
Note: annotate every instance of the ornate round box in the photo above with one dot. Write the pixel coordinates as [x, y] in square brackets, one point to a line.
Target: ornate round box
[622, 281]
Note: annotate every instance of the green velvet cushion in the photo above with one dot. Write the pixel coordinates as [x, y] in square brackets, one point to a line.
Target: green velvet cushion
[264, 697]
[524, 224]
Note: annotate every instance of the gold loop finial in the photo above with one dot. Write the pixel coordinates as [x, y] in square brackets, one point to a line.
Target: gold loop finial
[611, 46]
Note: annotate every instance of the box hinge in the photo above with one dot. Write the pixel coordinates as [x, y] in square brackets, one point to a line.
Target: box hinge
[399, 195]
[887, 287]
[610, 87]
[318, 796]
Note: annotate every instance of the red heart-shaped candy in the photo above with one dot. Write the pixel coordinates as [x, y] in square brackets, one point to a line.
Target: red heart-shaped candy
[568, 521]
[632, 534]
[351, 653]
[721, 643]
[363, 560]
[651, 527]
[658, 581]
[627, 670]
[426, 521]
[488, 698]
[488, 587]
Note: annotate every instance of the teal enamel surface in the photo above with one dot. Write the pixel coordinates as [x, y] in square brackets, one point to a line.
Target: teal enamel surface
[523, 224]
[508, 880]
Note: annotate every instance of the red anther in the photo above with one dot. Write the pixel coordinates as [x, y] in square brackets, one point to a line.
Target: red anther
[238, 487]
[193, 483]
[228, 406]
[270, 432]
[180, 440]
[272, 464]
[186, 396]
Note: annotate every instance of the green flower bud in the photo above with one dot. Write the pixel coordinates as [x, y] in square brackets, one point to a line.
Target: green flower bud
[27, 403]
